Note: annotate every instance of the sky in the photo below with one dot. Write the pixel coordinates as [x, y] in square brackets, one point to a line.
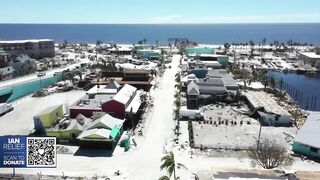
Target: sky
[159, 11]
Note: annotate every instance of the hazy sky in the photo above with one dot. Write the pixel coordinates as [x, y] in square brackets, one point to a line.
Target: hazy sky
[159, 11]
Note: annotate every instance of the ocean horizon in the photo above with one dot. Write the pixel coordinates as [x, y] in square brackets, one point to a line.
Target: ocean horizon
[132, 33]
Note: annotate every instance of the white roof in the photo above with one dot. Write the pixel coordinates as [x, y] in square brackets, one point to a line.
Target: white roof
[309, 133]
[27, 40]
[207, 55]
[124, 95]
[74, 125]
[135, 103]
[107, 121]
[311, 55]
[95, 134]
[101, 90]
[121, 48]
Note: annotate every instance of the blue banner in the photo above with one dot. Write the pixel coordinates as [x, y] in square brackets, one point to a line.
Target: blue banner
[13, 151]
[23, 151]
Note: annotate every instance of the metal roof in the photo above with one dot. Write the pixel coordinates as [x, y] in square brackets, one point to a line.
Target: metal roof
[309, 133]
[106, 121]
[193, 88]
[95, 134]
[125, 94]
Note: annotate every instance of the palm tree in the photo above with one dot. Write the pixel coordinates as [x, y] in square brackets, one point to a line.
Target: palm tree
[164, 178]
[99, 42]
[177, 77]
[168, 163]
[77, 72]
[226, 47]
[252, 47]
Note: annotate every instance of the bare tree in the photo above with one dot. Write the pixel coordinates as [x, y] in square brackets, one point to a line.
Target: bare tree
[269, 155]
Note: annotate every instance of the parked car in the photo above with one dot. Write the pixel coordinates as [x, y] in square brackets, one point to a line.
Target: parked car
[5, 108]
[41, 73]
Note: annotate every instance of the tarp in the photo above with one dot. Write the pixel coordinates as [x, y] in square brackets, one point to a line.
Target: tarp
[114, 132]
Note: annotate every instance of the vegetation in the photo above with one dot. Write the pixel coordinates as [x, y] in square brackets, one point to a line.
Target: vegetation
[295, 115]
[168, 163]
[99, 42]
[191, 137]
[70, 75]
[226, 47]
[164, 178]
[269, 155]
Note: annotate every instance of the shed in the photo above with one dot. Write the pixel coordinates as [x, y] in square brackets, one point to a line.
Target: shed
[307, 141]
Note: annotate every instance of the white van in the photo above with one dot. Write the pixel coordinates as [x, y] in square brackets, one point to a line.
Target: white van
[190, 113]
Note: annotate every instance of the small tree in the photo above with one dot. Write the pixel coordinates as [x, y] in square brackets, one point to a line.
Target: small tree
[269, 155]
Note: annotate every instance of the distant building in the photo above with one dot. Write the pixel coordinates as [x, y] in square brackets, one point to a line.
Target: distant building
[4, 58]
[122, 50]
[207, 86]
[23, 64]
[310, 58]
[200, 50]
[149, 54]
[6, 73]
[33, 48]
[211, 58]
[307, 140]
[139, 78]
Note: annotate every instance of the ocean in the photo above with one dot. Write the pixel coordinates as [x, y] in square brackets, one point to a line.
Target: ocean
[132, 33]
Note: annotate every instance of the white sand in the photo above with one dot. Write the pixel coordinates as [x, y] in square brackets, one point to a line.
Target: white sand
[20, 120]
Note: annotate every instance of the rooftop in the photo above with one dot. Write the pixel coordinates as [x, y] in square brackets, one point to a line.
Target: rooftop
[262, 99]
[25, 41]
[93, 103]
[106, 121]
[193, 88]
[309, 133]
[95, 134]
[124, 95]
[311, 55]
[135, 103]
[136, 71]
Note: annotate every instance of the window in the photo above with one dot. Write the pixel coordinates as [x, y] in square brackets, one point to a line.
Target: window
[314, 150]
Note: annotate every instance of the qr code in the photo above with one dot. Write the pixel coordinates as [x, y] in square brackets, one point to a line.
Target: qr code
[41, 152]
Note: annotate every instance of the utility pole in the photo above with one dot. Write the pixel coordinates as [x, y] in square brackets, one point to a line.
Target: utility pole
[258, 143]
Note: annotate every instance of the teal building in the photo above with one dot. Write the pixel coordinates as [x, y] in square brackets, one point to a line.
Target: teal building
[200, 50]
[307, 141]
[16, 91]
[149, 54]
